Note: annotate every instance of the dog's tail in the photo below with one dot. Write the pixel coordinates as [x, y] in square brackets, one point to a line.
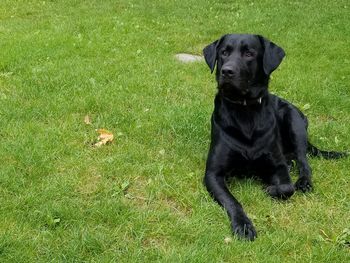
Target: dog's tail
[314, 151]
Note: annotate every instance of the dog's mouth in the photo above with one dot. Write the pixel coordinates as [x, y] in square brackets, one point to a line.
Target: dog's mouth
[234, 87]
[241, 91]
[233, 94]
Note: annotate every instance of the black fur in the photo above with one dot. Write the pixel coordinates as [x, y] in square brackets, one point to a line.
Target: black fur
[253, 131]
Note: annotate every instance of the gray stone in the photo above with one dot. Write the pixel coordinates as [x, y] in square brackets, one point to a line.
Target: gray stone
[188, 58]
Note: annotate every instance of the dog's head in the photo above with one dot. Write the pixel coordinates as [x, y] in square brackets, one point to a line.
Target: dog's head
[244, 64]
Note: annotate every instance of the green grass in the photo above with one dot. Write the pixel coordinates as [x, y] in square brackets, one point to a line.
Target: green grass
[141, 199]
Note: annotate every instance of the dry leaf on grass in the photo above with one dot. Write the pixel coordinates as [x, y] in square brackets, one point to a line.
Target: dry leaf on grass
[104, 137]
[227, 240]
[87, 120]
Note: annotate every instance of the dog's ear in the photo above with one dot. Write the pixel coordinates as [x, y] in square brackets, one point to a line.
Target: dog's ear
[210, 54]
[273, 55]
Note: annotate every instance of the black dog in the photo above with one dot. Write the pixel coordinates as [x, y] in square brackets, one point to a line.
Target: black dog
[253, 131]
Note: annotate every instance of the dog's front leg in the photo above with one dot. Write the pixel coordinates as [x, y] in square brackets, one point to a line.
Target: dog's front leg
[216, 186]
[279, 183]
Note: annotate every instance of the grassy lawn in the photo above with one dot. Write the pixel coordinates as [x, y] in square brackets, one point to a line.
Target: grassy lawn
[141, 198]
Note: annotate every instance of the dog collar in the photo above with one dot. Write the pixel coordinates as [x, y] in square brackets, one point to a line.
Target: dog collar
[245, 102]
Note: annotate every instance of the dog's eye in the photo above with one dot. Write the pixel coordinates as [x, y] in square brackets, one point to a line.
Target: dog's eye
[224, 53]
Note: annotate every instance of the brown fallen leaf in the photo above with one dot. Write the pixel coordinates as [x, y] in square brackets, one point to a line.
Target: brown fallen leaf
[87, 120]
[104, 137]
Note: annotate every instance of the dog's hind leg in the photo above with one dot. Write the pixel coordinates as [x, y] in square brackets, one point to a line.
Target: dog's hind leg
[298, 138]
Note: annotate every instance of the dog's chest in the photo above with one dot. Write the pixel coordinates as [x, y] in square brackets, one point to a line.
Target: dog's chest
[252, 137]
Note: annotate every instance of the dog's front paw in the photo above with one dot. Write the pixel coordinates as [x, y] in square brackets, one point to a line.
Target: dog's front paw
[243, 228]
[304, 184]
[281, 191]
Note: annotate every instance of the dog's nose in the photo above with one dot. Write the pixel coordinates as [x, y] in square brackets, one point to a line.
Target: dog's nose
[227, 72]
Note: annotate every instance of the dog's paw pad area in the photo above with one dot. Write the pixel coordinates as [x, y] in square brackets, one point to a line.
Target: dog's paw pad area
[303, 184]
[245, 231]
[282, 191]
[188, 58]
